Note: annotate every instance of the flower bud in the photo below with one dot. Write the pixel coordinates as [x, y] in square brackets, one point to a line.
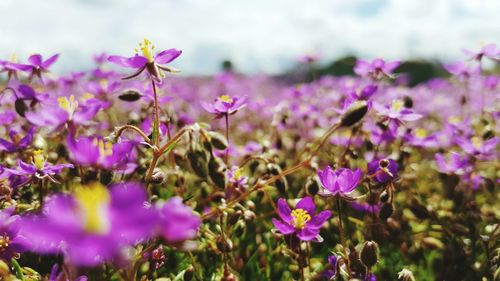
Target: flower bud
[218, 140]
[386, 211]
[384, 196]
[312, 186]
[157, 177]
[369, 254]
[189, 273]
[405, 275]
[198, 160]
[354, 113]
[20, 107]
[216, 173]
[130, 96]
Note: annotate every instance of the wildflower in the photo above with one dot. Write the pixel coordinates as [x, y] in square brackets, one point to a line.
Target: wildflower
[36, 65]
[383, 170]
[302, 221]
[178, 222]
[93, 224]
[16, 142]
[376, 69]
[396, 112]
[54, 276]
[420, 137]
[235, 177]
[453, 164]
[11, 241]
[340, 182]
[461, 70]
[331, 270]
[100, 153]
[39, 167]
[153, 64]
[490, 51]
[477, 146]
[225, 105]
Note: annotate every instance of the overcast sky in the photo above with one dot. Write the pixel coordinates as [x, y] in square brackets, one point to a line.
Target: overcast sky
[258, 35]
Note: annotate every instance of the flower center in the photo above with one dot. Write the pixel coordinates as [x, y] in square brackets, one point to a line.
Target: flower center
[94, 200]
[397, 105]
[4, 242]
[70, 105]
[226, 98]
[300, 218]
[454, 120]
[39, 159]
[105, 148]
[476, 142]
[421, 133]
[146, 48]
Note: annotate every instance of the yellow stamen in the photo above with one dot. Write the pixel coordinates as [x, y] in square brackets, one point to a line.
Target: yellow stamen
[421, 133]
[226, 98]
[477, 142]
[300, 218]
[87, 96]
[4, 242]
[39, 159]
[146, 48]
[70, 105]
[93, 200]
[454, 120]
[397, 105]
[105, 148]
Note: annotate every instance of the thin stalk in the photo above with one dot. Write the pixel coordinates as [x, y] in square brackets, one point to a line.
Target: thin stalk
[299, 259]
[132, 128]
[342, 238]
[156, 123]
[226, 117]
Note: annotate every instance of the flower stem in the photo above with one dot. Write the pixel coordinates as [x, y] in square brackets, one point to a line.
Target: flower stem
[156, 122]
[299, 259]
[226, 116]
[342, 238]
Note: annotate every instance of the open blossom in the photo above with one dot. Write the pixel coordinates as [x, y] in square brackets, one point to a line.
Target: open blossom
[420, 137]
[178, 222]
[39, 167]
[225, 105]
[377, 68]
[340, 182]
[490, 51]
[235, 177]
[154, 64]
[17, 143]
[93, 224]
[331, 270]
[462, 70]
[36, 65]
[383, 170]
[100, 153]
[302, 221]
[453, 164]
[396, 111]
[11, 241]
[478, 146]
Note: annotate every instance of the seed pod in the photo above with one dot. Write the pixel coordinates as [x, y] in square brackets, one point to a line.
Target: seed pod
[130, 96]
[106, 177]
[273, 169]
[369, 254]
[355, 113]
[432, 243]
[216, 173]
[312, 186]
[488, 134]
[405, 275]
[224, 246]
[419, 210]
[408, 102]
[218, 140]
[189, 273]
[386, 211]
[198, 160]
[20, 107]
[281, 185]
[157, 177]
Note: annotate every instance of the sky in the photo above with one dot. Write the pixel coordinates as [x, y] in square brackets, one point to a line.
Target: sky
[257, 35]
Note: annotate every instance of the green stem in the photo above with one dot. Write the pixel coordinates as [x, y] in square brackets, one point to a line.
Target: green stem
[226, 159]
[156, 122]
[342, 238]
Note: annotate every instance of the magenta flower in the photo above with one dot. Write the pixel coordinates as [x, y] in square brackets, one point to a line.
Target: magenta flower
[477, 146]
[37, 65]
[340, 182]
[376, 69]
[17, 143]
[92, 225]
[178, 222]
[383, 170]
[100, 153]
[153, 64]
[236, 178]
[421, 138]
[225, 105]
[396, 111]
[331, 270]
[453, 164]
[490, 51]
[461, 70]
[55, 275]
[302, 221]
[11, 241]
[39, 168]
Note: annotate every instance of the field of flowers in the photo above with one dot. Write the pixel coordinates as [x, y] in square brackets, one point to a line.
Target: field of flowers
[134, 172]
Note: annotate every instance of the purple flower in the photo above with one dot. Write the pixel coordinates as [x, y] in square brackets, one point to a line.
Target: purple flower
[453, 164]
[331, 269]
[11, 241]
[37, 65]
[376, 69]
[235, 177]
[302, 221]
[16, 142]
[178, 222]
[490, 51]
[462, 70]
[396, 111]
[421, 138]
[340, 182]
[383, 170]
[153, 64]
[225, 105]
[478, 146]
[54, 276]
[92, 225]
[39, 168]
[100, 153]
[365, 93]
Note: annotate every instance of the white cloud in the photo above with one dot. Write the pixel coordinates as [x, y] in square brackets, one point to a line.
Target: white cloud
[258, 35]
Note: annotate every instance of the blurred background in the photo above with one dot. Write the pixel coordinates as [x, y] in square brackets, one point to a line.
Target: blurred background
[258, 36]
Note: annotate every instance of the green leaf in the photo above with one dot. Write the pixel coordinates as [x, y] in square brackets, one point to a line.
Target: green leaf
[17, 269]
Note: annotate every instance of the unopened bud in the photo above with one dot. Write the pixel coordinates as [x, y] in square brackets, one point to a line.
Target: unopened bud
[405, 275]
[369, 254]
[354, 113]
[312, 186]
[218, 140]
[157, 177]
[386, 211]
